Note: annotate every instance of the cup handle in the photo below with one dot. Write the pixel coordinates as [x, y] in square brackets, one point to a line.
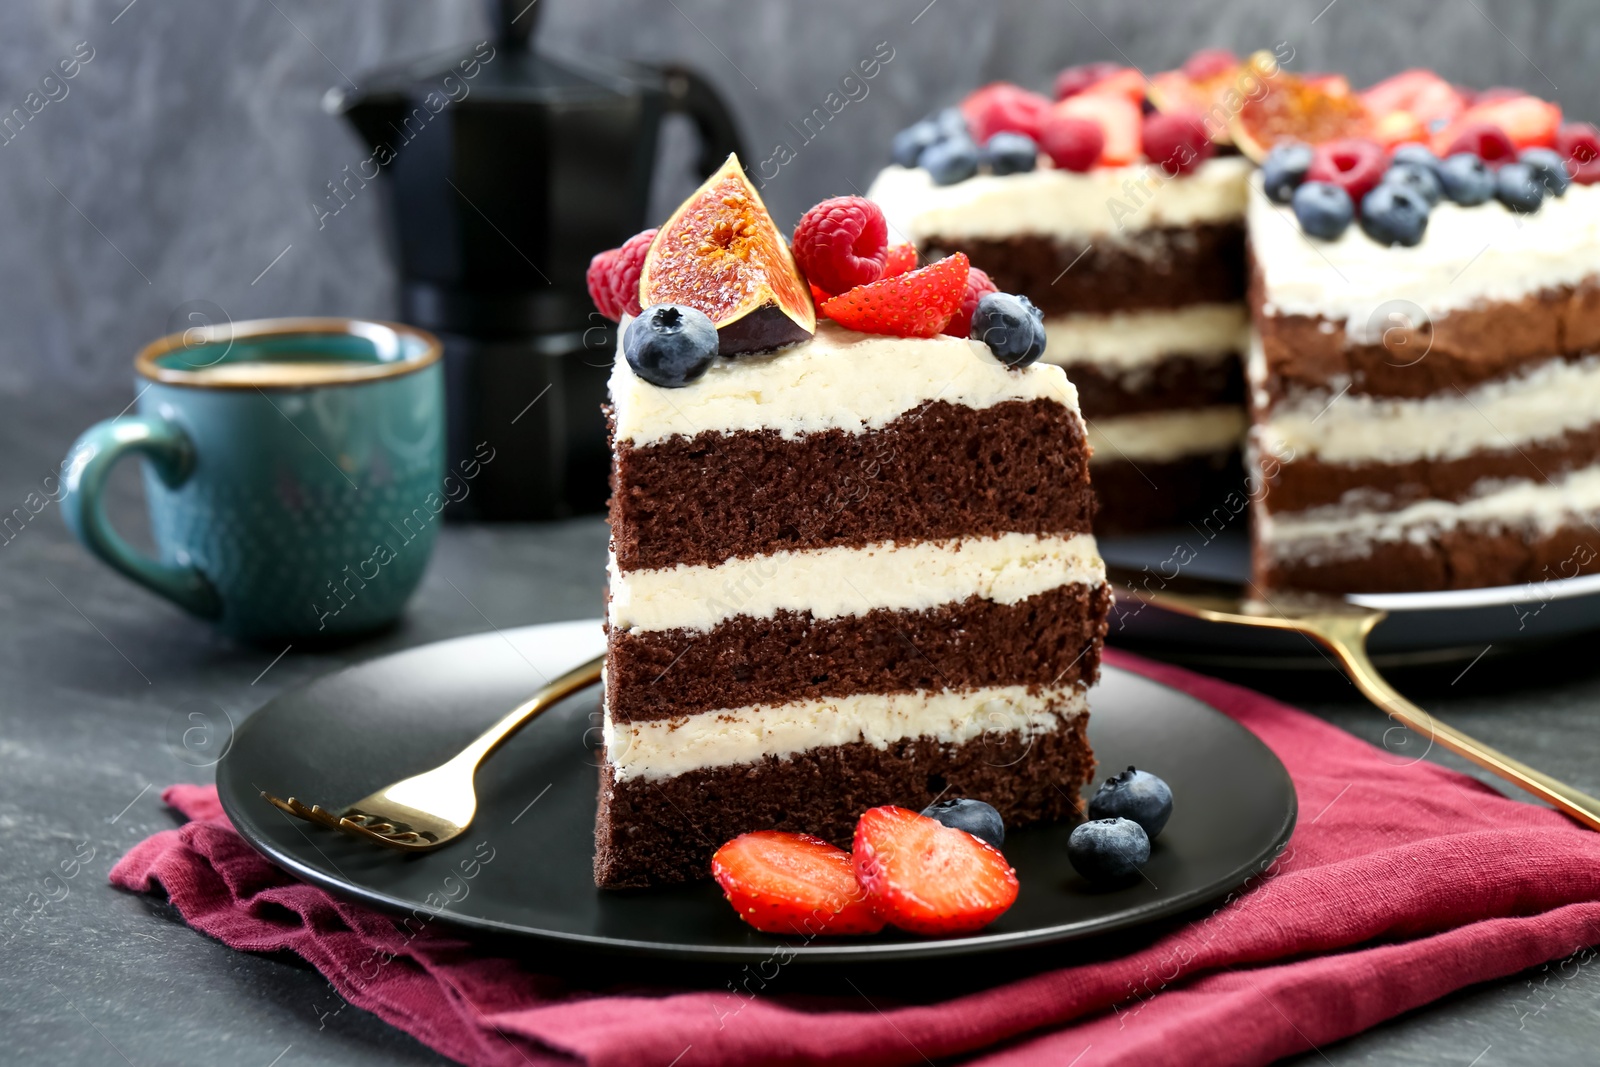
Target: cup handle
[88, 465]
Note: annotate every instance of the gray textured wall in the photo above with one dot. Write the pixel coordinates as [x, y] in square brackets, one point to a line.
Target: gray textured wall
[185, 153]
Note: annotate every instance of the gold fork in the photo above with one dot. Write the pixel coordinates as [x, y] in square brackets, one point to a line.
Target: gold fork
[1342, 627]
[435, 807]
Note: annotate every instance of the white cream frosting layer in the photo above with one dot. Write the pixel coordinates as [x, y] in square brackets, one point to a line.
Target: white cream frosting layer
[1163, 436]
[839, 380]
[1553, 398]
[1105, 201]
[832, 583]
[743, 735]
[1129, 340]
[1345, 531]
[1469, 255]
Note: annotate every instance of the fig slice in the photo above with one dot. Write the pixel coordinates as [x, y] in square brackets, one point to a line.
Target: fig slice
[721, 254]
[1311, 109]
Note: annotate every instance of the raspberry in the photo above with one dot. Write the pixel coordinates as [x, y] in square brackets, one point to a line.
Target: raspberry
[1177, 141]
[1352, 164]
[1074, 80]
[902, 257]
[1208, 63]
[1579, 145]
[1000, 107]
[623, 277]
[842, 243]
[978, 287]
[917, 304]
[1483, 139]
[599, 281]
[1071, 142]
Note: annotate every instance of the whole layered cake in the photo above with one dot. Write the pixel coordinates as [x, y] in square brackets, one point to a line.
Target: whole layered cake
[848, 570]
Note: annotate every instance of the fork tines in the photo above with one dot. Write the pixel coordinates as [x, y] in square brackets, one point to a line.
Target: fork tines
[359, 823]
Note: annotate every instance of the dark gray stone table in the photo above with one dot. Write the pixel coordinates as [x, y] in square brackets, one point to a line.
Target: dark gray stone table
[96, 675]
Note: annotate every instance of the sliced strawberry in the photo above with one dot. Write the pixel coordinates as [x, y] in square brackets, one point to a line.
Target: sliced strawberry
[1208, 63]
[915, 304]
[1420, 93]
[1126, 83]
[793, 884]
[625, 271]
[1526, 121]
[902, 257]
[1120, 122]
[1399, 127]
[817, 295]
[1002, 107]
[928, 878]
[978, 286]
[1074, 80]
[598, 278]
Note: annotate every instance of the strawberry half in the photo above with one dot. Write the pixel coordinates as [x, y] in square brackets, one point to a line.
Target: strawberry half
[783, 883]
[902, 258]
[915, 304]
[927, 878]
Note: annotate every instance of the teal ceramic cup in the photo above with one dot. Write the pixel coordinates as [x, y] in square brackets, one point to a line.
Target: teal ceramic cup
[294, 471]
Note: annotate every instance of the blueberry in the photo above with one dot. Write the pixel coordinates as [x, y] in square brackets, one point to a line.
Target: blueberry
[954, 159]
[910, 142]
[1419, 179]
[1012, 328]
[1418, 155]
[670, 345]
[1284, 169]
[1324, 209]
[1549, 168]
[1010, 153]
[950, 122]
[1108, 850]
[1394, 215]
[1519, 188]
[1466, 179]
[1137, 795]
[974, 816]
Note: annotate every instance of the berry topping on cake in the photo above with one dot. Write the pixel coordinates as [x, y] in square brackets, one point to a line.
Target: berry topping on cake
[952, 160]
[1549, 167]
[1417, 155]
[721, 254]
[927, 878]
[598, 278]
[1284, 169]
[1209, 63]
[783, 883]
[613, 277]
[1466, 179]
[1420, 95]
[670, 345]
[1526, 120]
[1074, 80]
[1353, 164]
[974, 816]
[1323, 210]
[901, 258]
[915, 304]
[1119, 119]
[1137, 795]
[1394, 215]
[1003, 107]
[1519, 188]
[1072, 143]
[1420, 180]
[1012, 328]
[1483, 139]
[1108, 850]
[1176, 141]
[1294, 108]
[978, 287]
[842, 243]
[1579, 145]
[909, 144]
[1010, 153]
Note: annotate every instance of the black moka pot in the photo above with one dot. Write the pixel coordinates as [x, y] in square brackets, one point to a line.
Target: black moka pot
[509, 169]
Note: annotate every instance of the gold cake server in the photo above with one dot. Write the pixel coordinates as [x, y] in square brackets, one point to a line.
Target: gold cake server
[1342, 628]
[436, 807]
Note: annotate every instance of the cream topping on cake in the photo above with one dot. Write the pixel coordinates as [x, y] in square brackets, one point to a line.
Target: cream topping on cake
[1468, 256]
[839, 380]
[1128, 340]
[831, 583]
[1162, 436]
[1104, 201]
[663, 747]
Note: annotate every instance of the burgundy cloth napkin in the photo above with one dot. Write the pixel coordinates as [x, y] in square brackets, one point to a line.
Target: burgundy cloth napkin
[1403, 881]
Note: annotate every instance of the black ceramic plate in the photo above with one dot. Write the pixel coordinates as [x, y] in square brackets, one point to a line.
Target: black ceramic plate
[1456, 624]
[530, 851]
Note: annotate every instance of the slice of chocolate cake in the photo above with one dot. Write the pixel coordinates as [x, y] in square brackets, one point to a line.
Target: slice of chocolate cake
[852, 573]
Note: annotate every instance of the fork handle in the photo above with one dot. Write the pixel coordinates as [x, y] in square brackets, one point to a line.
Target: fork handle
[1346, 637]
[553, 692]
